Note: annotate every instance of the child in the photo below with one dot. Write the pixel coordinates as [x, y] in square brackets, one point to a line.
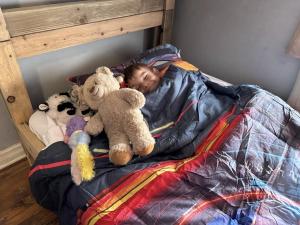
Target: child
[143, 78]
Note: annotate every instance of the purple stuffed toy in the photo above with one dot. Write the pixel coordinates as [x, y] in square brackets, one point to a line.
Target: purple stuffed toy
[82, 161]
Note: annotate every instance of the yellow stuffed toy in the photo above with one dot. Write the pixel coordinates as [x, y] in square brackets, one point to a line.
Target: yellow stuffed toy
[82, 161]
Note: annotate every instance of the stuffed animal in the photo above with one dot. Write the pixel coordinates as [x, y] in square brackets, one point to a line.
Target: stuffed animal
[76, 95]
[82, 161]
[59, 107]
[49, 122]
[118, 113]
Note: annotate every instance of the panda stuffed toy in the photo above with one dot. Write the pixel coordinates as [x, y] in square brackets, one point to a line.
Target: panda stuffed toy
[59, 107]
[48, 123]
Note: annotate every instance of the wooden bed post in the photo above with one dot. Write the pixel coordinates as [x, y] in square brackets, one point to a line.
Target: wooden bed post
[12, 84]
[87, 21]
[167, 24]
[4, 35]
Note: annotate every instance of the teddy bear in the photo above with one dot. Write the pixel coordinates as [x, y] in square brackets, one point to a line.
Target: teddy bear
[118, 113]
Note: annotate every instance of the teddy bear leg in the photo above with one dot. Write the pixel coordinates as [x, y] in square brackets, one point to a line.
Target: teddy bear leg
[120, 152]
[141, 139]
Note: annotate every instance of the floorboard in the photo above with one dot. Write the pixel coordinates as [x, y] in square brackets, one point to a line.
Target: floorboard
[17, 206]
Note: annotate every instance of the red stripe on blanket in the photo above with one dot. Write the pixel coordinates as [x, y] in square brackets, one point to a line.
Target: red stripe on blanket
[119, 182]
[161, 182]
[49, 166]
[57, 164]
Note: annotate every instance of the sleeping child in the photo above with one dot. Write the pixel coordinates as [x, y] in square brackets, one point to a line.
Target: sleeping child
[144, 78]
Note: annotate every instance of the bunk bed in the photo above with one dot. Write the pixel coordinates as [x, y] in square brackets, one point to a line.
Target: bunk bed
[35, 30]
[230, 157]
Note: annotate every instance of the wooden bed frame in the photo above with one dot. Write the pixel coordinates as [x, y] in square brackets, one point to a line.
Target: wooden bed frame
[30, 31]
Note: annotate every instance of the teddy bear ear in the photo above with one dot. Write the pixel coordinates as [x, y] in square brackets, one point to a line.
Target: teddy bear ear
[75, 91]
[104, 70]
[44, 107]
[120, 79]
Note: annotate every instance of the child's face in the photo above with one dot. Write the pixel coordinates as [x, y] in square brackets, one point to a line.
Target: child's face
[144, 80]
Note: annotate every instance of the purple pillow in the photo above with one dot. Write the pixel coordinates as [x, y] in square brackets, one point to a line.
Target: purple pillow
[156, 56]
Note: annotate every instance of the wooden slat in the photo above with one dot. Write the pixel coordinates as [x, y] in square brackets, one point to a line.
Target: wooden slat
[34, 44]
[169, 4]
[4, 35]
[32, 145]
[156, 36]
[167, 26]
[12, 85]
[28, 20]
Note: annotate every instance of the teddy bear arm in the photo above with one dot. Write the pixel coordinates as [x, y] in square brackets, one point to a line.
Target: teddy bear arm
[95, 125]
[133, 97]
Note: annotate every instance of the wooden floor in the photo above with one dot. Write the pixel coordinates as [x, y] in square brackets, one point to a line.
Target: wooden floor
[17, 206]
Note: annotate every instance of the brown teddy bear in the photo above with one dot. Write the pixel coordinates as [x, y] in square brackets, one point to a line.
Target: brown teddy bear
[118, 113]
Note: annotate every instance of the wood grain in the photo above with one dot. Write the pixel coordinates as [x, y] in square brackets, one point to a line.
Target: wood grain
[17, 205]
[33, 44]
[31, 144]
[28, 20]
[167, 26]
[12, 85]
[169, 4]
[4, 35]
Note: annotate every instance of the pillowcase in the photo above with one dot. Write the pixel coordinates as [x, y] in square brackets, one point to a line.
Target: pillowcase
[156, 56]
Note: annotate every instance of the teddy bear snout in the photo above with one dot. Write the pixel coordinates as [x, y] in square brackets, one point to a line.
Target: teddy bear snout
[92, 89]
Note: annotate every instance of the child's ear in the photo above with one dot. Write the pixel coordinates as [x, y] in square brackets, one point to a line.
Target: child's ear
[155, 70]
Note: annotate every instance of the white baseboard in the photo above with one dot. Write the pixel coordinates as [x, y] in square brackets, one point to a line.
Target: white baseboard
[11, 155]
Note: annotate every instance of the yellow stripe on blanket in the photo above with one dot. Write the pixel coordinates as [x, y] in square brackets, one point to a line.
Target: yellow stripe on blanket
[118, 198]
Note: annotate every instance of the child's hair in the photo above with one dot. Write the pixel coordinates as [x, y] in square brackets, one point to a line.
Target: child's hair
[129, 71]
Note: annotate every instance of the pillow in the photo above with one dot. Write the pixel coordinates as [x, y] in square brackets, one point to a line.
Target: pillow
[156, 56]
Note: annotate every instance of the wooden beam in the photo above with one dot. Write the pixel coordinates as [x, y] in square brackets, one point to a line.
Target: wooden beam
[33, 44]
[31, 144]
[28, 20]
[169, 4]
[12, 85]
[166, 36]
[4, 35]
[156, 36]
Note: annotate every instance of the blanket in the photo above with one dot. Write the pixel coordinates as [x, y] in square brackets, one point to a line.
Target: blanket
[223, 155]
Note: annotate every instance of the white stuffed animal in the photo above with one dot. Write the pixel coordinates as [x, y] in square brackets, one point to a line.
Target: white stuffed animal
[59, 107]
[49, 122]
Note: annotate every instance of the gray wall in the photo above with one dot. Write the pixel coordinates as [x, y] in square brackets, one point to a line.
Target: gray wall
[45, 74]
[240, 41]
